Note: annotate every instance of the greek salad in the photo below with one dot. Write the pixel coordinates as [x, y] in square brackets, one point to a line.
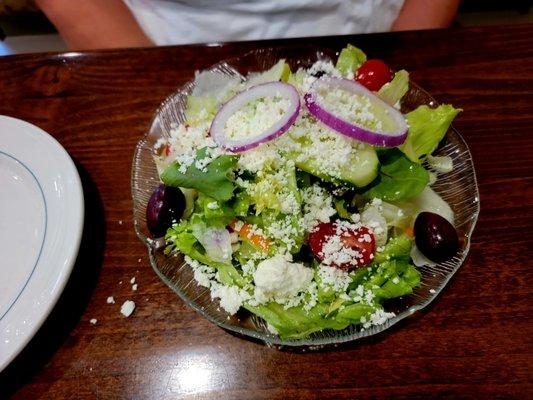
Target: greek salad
[304, 196]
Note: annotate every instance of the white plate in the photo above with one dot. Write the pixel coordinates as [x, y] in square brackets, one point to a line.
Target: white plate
[41, 222]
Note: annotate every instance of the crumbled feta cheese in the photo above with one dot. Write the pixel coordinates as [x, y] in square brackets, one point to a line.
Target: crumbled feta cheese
[335, 252]
[352, 108]
[395, 280]
[134, 286]
[319, 141]
[213, 205]
[262, 157]
[256, 116]
[127, 308]
[432, 291]
[277, 279]
[185, 140]
[283, 230]
[110, 300]
[324, 66]
[317, 207]
[230, 297]
[335, 278]
[132, 280]
[93, 321]
[203, 274]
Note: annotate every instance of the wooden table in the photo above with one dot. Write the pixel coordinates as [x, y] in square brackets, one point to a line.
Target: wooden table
[475, 341]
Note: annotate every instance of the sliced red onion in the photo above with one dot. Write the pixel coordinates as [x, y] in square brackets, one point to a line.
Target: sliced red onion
[216, 242]
[271, 89]
[356, 131]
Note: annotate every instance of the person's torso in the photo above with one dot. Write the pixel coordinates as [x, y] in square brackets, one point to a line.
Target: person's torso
[197, 21]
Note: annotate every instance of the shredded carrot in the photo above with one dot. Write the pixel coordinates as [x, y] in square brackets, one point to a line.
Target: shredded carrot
[410, 232]
[247, 234]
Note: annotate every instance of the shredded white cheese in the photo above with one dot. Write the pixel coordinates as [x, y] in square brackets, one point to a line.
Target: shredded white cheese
[127, 308]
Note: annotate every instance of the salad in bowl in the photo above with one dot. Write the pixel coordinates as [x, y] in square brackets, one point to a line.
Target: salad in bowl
[303, 196]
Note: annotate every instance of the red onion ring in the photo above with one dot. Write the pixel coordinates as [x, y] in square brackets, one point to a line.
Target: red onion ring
[281, 89]
[356, 131]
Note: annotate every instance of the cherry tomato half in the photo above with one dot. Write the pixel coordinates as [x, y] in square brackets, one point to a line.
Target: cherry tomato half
[373, 74]
[361, 240]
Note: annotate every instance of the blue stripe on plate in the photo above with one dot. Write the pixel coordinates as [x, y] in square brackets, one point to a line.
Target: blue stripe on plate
[44, 236]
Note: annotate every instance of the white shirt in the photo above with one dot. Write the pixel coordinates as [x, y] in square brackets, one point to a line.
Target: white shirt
[203, 21]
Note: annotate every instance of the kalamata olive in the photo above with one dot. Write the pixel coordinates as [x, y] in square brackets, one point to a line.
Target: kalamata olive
[435, 237]
[166, 206]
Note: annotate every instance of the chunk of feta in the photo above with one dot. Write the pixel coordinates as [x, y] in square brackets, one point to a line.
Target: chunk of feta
[278, 279]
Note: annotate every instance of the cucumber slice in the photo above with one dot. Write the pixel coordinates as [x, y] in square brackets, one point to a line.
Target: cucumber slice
[360, 170]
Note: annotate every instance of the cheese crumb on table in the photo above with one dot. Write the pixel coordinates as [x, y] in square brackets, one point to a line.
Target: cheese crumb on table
[132, 281]
[127, 308]
[110, 300]
[93, 321]
[134, 286]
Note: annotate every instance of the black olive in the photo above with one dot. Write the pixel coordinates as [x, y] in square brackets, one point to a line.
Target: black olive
[165, 207]
[435, 237]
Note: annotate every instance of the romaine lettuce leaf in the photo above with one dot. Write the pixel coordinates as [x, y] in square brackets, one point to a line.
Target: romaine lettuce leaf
[350, 59]
[399, 178]
[427, 200]
[398, 247]
[393, 91]
[200, 108]
[276, 191]
[278, 72]
[395, 278]
[295, 322]
[214, 181]
[427, 127]
[215, 84]
[214, 213]
[180, 237]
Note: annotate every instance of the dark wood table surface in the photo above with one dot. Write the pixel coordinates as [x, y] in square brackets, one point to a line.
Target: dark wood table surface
[474, 341]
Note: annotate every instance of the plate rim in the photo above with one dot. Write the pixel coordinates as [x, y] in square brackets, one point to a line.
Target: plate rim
[76, 225]
[275, 340]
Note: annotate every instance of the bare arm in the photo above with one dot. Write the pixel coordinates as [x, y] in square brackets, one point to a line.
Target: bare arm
[94, 24]
[426, 14]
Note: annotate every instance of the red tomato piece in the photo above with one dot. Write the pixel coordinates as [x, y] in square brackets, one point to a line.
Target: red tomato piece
[351, 248]
[373, 74]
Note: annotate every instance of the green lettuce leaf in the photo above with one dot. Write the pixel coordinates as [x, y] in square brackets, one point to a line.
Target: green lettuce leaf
[180, 238]
[350, 59]
[341, 209]
[399, 178]
[296, 322]
[278, 72]
[427, 127]
[214, 181]
[196, 105]
[214, 213]
[395, 278]
[393, 91]
[398, 247]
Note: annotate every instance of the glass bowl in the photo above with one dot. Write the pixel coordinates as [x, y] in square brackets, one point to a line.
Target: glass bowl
[458, 188]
